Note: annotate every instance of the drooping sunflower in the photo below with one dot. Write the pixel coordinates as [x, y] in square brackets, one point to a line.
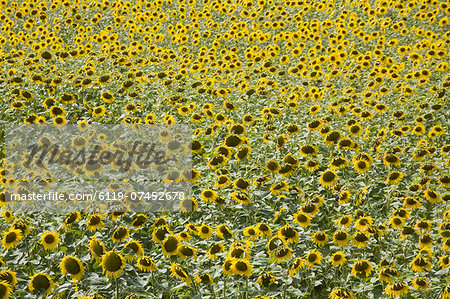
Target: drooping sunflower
[397, 289]
[298, 264]
[222, 231]
[97, 248]
[41, 282]
[71, 218]
[146, 264]
[9, 277]
[95, 221]
[264, 229]
[419, 264]
[320, 238]
[265, 279]
[360, 239]
[120, 234]
[363, 223]
[205, 279]
[394, 177]
[73, 266]
[113, 263]
[420, 283]
[340, 238]
[170, 245]
[340, 293]
[281, 254]
[362, 267]
[387, 274]
[177, 271]
[288, 233]
[135, 246]
[50, 240]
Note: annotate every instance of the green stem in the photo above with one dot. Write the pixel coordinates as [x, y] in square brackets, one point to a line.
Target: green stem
[224, 288]
[117, 288]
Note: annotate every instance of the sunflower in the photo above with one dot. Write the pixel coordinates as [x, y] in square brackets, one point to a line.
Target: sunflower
[338, 163]
[298, 264]
[313, 258]
[266, 279]
[432, 196]
[312, 165]
[264, 229]
[135, 247]
[328, 178]
[362, 267]
[222, 231]
[159, 233]
[205, 231]
[112, 264]
[177, 271]
[139, 220]
[205, 279]
[360, 239]
[97, 248]
[288, 233]
[241, 267]
[50, 240]
[320, 238]
[391, 160]
[363, 223]
[345, 221]
[361, 165]
[9, 277]
[226, 267]
[394, 177]
[308, 150]
[11, 238]
[424, 225]
[94, 222]
[281, 254]
[71, 218]
[420, 264]
[411, 203]
[272, 165]
[420, 283]
[41, 282]
[73, 266]
[302, 219]
[396, 222]
[340, 238]
[209, 195]
[397, 289]
[170, 245]
[120, 234]
[146, 264]
[338, 259]
[387, 274]
[425, 241]
[340, 293]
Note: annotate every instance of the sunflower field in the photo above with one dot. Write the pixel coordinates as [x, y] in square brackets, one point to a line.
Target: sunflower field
[320, 146]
